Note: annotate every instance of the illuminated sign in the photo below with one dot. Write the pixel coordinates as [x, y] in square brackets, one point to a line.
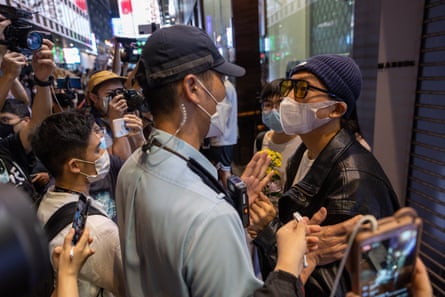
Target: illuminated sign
[71, 55]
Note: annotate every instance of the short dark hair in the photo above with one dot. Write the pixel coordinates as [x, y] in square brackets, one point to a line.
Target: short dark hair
[16, 107]
[60, 137]
[271, 90]
[163, 99]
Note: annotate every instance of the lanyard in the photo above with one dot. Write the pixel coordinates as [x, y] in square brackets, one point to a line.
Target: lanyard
[197, 168]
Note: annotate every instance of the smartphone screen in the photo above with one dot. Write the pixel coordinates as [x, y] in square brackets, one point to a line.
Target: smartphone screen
[119, 128]
[387, 265]
[80, 217]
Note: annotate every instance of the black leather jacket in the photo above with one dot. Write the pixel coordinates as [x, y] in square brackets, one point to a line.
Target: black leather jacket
[347, 180]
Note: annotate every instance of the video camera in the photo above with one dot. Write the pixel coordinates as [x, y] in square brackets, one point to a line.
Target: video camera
[19, 35]
[66, 92]
[135, 100]
[130, 50]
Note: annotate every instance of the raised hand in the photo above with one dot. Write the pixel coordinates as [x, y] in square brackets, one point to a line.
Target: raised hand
[43, 61]
[254, 176]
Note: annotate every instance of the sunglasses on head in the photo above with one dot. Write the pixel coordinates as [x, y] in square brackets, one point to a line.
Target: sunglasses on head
[300, 88]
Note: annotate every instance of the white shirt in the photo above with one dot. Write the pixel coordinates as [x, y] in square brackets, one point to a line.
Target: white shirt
[104, 268]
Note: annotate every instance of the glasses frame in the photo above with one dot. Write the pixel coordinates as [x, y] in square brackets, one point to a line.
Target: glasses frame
[293, 87]
[275, 105]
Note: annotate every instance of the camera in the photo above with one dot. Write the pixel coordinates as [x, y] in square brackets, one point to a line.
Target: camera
[238, 192]
[130, 52]
[134, 98]
[66, 93]
[19, 35]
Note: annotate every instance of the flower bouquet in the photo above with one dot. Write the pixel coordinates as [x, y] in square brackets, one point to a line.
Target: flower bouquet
[273, 189]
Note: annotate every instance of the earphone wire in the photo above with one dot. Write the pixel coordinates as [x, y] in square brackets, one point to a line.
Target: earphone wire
[147, 147]
[366, 219]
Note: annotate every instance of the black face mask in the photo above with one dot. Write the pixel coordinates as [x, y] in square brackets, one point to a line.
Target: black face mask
[6, 130]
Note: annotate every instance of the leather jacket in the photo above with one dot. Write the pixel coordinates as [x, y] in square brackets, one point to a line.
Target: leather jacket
[347, 180]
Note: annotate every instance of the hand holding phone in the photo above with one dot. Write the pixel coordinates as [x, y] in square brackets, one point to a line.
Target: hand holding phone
[383, 261]
[119, 128]
[80, 217]
[238, 192]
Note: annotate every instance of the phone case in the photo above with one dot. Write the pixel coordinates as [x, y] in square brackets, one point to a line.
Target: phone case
[80, 217]
[384, 260]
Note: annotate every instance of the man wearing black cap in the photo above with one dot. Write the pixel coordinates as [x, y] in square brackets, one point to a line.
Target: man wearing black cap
[180, 236]
[330, 169]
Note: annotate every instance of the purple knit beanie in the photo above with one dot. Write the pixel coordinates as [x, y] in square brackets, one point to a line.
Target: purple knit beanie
[340, 75]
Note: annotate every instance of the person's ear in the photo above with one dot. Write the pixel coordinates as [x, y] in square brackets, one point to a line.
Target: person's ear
[26, 119]
[93, 98]
[73, 166]
[340, 109]
[190, 87]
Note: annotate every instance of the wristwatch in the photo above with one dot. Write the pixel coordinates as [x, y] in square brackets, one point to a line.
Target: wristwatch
[41, 83]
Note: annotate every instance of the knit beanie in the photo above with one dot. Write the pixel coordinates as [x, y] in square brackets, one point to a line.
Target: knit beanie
[339, 74]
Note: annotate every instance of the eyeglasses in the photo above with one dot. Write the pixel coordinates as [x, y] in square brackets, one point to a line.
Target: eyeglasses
[100, 131]
[269, 104]
[300, 87]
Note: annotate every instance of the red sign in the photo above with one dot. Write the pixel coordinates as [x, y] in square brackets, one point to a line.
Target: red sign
[126, 7]
[82, 4]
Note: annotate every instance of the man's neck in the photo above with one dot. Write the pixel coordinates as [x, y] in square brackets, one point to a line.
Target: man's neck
[281, 137]
[318, 139]
[73, 187]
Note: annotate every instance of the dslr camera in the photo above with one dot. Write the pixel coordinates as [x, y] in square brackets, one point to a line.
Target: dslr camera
[238, 192]
[134, 98]
[19, 35]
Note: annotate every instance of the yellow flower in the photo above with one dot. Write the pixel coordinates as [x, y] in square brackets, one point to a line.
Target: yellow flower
[275, 161]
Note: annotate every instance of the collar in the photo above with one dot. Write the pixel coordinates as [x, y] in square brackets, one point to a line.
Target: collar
[317, 174]
[183, 148]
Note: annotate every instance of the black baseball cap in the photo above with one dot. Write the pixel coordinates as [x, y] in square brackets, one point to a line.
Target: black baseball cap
[173, 52]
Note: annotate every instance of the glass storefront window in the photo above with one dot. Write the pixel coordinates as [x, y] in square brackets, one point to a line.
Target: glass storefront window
[298, 29]
[218, 24]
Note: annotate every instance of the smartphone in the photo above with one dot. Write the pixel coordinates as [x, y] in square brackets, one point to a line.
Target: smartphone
[80, 217]
[383, 261]
[119, 128]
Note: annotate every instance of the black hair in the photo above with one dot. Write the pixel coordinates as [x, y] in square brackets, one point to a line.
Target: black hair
[163, 99]
[271, 90]
[60, 137]
[16, 107]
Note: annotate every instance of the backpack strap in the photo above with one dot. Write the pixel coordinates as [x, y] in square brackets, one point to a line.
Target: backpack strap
[64, 216]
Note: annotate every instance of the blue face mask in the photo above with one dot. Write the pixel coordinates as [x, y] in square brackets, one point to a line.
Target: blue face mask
[272, 120]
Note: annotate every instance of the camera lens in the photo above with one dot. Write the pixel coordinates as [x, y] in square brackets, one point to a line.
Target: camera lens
[34, 40]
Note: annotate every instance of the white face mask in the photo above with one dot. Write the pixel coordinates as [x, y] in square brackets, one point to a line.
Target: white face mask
[301, 118]
[218, 120]
[102, 166]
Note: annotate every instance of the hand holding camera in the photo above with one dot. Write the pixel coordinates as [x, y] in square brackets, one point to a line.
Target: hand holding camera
[117, 105]
[43, 63]
[18, 34]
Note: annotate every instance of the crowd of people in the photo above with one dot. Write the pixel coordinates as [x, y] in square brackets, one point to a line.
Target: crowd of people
[166, 224]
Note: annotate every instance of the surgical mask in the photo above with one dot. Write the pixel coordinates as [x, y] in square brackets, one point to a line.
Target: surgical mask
[6, 130]
[103, 143]
[102, 166]
[271, 119]
[301, 118]
[218, 120]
